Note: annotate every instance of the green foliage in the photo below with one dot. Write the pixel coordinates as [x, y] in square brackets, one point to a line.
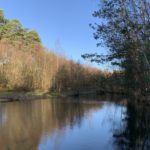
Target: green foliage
[32, 36]
[12, 31]
[3, 21]
[125, 30]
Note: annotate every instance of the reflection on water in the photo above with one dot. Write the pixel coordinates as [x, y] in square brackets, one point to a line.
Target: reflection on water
[60, 125]
[135, 132]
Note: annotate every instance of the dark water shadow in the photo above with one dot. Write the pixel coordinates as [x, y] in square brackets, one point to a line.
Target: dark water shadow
[135, 131]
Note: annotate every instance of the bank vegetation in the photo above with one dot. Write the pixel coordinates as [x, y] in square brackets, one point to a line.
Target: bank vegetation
[26, 65]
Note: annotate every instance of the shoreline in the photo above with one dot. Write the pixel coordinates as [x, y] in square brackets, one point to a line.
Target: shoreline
[11, 96]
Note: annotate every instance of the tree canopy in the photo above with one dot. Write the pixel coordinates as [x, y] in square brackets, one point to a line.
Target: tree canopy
[125, 29]
[12, 30]
[26, 65]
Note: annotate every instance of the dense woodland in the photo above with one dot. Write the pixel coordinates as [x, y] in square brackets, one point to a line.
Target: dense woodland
[27, 66]
[125, 29]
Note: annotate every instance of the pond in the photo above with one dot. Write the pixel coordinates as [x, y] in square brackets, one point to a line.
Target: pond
[61, 124]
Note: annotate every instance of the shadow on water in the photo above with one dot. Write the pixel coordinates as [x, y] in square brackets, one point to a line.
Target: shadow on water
[135, 131]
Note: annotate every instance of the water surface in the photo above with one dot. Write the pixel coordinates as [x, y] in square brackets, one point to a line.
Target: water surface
[60, 124]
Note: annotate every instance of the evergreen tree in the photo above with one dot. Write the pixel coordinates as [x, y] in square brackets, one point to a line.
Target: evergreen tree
[12, 30]
[125, 30]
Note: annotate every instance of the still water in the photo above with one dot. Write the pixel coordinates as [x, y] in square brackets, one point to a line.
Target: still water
[66, 124]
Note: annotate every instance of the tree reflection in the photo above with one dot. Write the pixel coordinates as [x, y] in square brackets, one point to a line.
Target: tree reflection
[22, 124]
[135, 132]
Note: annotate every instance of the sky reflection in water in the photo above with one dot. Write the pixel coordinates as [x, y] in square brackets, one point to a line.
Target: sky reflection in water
[59, 125]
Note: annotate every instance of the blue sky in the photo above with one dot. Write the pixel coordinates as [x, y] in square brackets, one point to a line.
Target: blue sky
[63, 25]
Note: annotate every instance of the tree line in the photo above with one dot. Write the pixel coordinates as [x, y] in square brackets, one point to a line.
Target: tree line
[26, 65]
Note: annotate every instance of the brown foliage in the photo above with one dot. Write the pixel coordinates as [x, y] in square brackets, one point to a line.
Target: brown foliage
[35, 68]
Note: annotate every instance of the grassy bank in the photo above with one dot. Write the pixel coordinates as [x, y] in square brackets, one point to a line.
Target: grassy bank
[6, 96]
[9, 96]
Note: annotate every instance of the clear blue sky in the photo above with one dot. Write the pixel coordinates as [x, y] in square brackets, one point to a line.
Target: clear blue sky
[63, 25]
